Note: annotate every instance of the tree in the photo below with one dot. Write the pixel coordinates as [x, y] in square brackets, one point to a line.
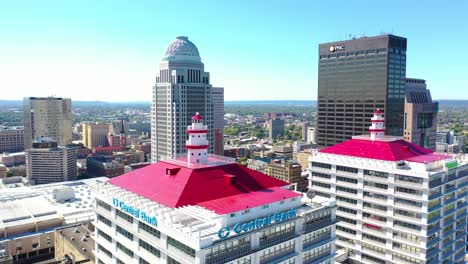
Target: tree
[9, 174]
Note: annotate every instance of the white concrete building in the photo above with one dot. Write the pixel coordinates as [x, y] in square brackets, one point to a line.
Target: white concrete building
[397, 202]
[47, 117]
[182, 88]
[211, 210]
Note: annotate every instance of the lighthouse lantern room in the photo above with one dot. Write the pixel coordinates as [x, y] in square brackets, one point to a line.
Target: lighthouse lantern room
[197, 143]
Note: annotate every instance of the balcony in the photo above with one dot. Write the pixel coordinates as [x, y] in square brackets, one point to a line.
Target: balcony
[229, 255]
[435, 196]
[433, 242]
[432, 252]
[319, 258]
[435, 183]
[278, 258]
[459, 256]
[434, 219]
[318, 241]
[450, 189]
[434, 207]
[376, 179]
[449, 222]
[447, 254]
[463, 184]
[374, 230]
[408, 184]
[433, 230]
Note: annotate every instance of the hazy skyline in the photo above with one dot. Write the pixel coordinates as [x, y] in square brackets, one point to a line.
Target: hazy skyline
[110, 50]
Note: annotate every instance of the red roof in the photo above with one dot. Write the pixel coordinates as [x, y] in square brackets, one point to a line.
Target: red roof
[384, 150]
[197, 117]
[215, 187]
[248, 200]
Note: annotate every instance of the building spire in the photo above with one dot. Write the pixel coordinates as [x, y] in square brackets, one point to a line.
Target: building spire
[377, 129]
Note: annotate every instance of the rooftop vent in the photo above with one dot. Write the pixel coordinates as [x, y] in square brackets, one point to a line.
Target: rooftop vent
[172, 171]
[230, 179]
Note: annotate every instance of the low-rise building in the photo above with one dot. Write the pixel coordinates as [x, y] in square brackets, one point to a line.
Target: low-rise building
[288, 171]
[13, 159]
[74, 244]
[129, 157]
[303, 158]
[98, 166]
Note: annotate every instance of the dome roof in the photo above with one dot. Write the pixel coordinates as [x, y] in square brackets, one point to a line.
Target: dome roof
[182, 47]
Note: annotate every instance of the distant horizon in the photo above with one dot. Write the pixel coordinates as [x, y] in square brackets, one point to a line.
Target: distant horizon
[250, 100]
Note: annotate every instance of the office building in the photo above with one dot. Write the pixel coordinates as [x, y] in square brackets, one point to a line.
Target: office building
[447, 141]
[182, 88]
[289, 172]
[420, 114]
[95, 134]
[303, 158]
[397, 202]
[209, 209]
[355, 77]
[275, 128]
[47, 117]
[311, 135]
[104, 166]
[218, 120]
[11, 139]
[48, 163]
[304, 127]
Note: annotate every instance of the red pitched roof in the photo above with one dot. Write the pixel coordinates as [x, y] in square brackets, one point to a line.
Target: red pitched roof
[192, 186]
[384, 150]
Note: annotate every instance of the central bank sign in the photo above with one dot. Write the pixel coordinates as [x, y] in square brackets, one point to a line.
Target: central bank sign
[137, 213]
[256, 223]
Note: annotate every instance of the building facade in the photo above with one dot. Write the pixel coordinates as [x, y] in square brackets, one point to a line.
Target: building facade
[218, 120]
[47, 163]
[311, 135]
[397, 202]
[355, 77]
[288, 171]
[208, 209]
[447, 141]
[11, 139]
[420, 114]
[95, 134]
[47, 117]
[182, 88]
[275, 128]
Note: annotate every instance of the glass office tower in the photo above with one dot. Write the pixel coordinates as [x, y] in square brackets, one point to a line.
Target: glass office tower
[355, 77]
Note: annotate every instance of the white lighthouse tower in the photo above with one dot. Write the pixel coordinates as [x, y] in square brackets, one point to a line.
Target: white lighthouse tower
[197, 143]
[377, 129]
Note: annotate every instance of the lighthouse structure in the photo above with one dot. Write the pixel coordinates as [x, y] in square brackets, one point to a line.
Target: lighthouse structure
[197, 143]
[377, 129]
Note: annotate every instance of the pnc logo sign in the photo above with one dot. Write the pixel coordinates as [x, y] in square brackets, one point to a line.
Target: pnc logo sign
[336, 48]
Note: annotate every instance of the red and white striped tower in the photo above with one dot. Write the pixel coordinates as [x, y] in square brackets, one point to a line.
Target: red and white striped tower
[377, 129]
[197, 144]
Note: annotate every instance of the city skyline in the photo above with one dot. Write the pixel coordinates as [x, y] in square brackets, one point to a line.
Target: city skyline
[82, 51]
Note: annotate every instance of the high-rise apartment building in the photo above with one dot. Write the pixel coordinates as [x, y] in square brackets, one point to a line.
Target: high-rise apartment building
[95, 134]
[48, 163]
[420, 114]
[275, 128]
[355, 77]
[47, 117]
[311, 135]
[397, 202]
[182, 88]
[447, 141]
[218, 120]
[11, 139]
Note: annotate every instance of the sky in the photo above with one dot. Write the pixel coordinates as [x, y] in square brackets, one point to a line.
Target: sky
[256, 49]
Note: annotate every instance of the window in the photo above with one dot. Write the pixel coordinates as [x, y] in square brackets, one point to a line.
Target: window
[172, 261]
[182, 247]
[149, 248]
[347, 230]
[276, 251]
[142, 261]
[346, 210]
[124, 249]
[104, 235]
[346, 169]
[321, 165]
[107, 252]
[102, 204]
[104, 220]
[408, 191]
[125, 233]
[124, 216]
[406, 225]
[346, 220]
[149, 229]
[321, 175]
[376, 185]
[346, 200]
[344, 179]
[344, 189]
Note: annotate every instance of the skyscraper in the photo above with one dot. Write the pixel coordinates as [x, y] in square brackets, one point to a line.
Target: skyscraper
[182, 88]
[420, 115]
[218, 120]
[275, 128]
[47, 117]
[355, 77]
[95, 134]
[47, 163]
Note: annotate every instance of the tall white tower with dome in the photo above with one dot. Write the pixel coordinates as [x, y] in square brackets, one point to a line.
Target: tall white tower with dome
[182, 88]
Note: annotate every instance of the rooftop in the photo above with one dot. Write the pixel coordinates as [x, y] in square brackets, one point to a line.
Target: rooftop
[386, 148]
[219, 185]
[79, 237]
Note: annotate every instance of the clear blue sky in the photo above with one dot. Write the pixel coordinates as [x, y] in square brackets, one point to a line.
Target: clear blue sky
[110, 50]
